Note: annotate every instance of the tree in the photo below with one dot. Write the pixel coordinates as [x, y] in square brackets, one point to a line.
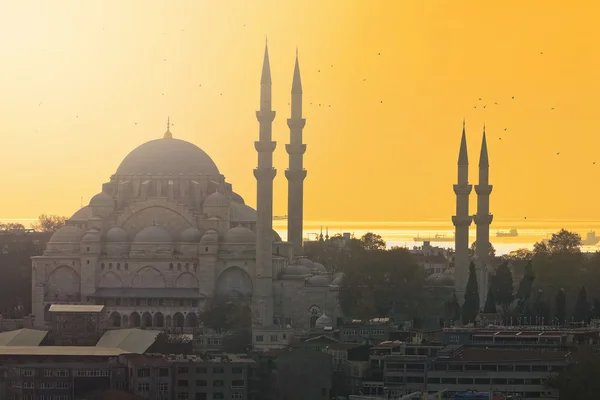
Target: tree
[502, 285]
[490, 303]
[596, 309]
[518, 254]
[539, 312]
[565, 242]
[49, 223]
[171, 344]
[452, 308]
[524, 290]
[471, 304]
[582, 306]
[579, 380]
[491, 252]
[372, 241]
[561, 306]
[12, 227]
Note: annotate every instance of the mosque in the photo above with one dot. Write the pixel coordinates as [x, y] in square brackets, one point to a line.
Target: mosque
[167, 232]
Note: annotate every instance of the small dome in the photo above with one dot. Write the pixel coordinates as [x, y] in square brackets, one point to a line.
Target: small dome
[239, 234]
[190, 235]
[102, 200]
[237, 198]
[320, 267]
[210, 236]
[116, 234]
[323, 321]
[91, 235]
[216, 200]
[153, 234]
[337, 281]
[318, 280]
[306, 262]
[67, 234]
[83, 214]
[276, 237]
[295, 270]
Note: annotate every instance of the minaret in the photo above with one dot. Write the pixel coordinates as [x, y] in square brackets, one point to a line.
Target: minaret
[296, 173]
[264, 174]
[462, 221]
[483, 219]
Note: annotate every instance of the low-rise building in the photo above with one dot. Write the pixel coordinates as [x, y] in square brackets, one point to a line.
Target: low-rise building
[76, 324]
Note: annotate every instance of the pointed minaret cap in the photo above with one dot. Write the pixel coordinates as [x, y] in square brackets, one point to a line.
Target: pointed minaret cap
[483, 156]
[265, 78]
[297, 82]
[168, 134]
[463, 158]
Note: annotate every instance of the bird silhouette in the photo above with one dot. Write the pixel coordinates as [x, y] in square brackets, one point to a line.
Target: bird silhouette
[381, 101]
[525, 217]
[475, 107]
[378, 54]
[496, 103]
[513, 97]
[594, 163]
[552, 109]
[500, 138]
[480, 99]
[505, 128]
[558, 153]
[484, 106]
[319, 71]
[364, 79]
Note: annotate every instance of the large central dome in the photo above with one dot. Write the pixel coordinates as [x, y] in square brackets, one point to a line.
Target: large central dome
[167, 156]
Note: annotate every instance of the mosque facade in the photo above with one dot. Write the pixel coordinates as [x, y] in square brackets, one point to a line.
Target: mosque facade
[167, 232]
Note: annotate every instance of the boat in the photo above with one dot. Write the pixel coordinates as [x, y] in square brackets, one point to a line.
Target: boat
[590, 239]
[512, 233]
[435, 238]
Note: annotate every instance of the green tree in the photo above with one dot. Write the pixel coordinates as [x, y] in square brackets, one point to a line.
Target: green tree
[171, 344]
[518, 254]
[502, 285]
[471, 304]
[490, 303]
[452, 309]
[372, 241]
[582, 306]
[579, 380]
[49, 223]
[538, 312]
[561, 306]
[524, 290]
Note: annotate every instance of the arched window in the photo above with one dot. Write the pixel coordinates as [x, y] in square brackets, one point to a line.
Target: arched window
[314, 312]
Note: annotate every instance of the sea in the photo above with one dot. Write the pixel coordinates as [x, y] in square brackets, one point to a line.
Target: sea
[403, 233]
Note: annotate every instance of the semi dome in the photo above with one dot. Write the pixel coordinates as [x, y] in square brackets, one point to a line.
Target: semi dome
[306, 262]
[276, 237]
[190, 235]
[239, 234]
[323, 321]
[338, 280]
[295, 270]
[320, 267]
[210, 236]
[237, 198]
[116, 234]
[67, 234]
[167, 157]
[152, 234]
[216, 200]
[318, 280]
[102, 200]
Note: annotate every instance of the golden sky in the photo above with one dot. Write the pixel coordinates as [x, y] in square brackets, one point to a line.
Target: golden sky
[83, 83]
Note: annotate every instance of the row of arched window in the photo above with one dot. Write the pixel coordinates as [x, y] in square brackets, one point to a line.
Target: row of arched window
[155, 320]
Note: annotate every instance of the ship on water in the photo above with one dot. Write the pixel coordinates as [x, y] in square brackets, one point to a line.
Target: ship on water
[590, 239]
[512, 233]
[435, 238]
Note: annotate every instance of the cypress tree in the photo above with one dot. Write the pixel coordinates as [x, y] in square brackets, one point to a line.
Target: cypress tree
[561, 306]
[503, 287]
[490, 303]
[471, 304]
[524, 291]
[582, 306]
[596, 310]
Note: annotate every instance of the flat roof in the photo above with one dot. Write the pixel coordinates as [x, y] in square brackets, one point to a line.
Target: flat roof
[133, 340]
[60, 351]
[82, 308]
[496, 355]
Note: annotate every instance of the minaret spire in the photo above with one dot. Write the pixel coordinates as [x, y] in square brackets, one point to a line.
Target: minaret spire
[483, 220]
[462, 220]
[296, 173]
[168, 134]
[264, 173]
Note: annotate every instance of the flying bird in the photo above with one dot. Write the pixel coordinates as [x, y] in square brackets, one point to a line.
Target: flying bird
[513, 97]
[505, 128]
[558, 153]
[552, 109]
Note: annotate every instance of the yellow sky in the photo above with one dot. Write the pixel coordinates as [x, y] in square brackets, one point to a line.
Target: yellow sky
[76, 77]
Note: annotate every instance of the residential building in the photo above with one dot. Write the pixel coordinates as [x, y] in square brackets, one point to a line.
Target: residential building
[76, 324]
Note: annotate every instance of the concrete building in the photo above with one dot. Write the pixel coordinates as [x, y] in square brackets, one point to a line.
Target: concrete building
[167, 231]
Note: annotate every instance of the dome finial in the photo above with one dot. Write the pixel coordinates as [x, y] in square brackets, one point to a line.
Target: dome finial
[168, 134]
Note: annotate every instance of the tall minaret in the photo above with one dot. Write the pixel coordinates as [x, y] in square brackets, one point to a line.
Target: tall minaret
[265, 173]
[462, 221]
[296, 173]
[483, 219]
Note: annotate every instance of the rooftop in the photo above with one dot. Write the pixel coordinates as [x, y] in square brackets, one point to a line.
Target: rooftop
[74, 308]
[22, 337]
[343, 346]
[166, 359]
[494, 355]
[60, 351]
[132, 340]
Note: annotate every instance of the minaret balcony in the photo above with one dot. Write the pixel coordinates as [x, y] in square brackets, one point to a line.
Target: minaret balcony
[295, 148]
[483, 219]
[296, 123]
[265, 146]
[483, 190]
[464, 189]
[265, 173]
[295, 175]
[265, 116]
[462, 220]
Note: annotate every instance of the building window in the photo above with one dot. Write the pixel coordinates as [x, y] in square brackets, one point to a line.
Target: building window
[218, 370]
[62, 373]
[182, 383]
[218, 383]
[200, 370]
[162, 372]
[163, 387]
[201, 382]
[48, 373]
[88, 249]
[27, 372]
[143, 372]
[218, 396]
[274, 338]
[63, 385]
[143, 387]
[237, 395]
[237, 370]
[87, 261]
[183, 395]
[259, 338]
[182, 370]
[237, 384]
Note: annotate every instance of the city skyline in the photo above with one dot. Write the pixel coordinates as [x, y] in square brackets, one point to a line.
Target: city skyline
[76, 117]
